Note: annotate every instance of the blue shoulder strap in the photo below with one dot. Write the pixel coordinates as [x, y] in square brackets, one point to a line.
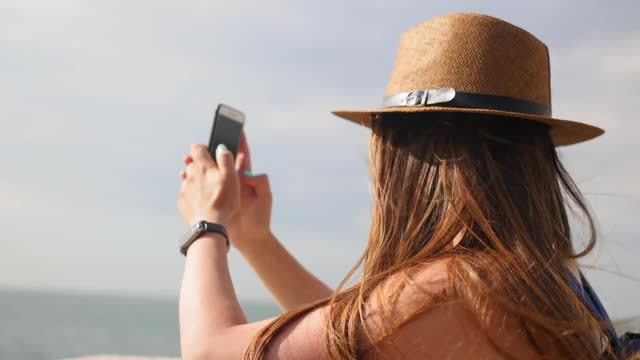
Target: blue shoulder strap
[624, 346]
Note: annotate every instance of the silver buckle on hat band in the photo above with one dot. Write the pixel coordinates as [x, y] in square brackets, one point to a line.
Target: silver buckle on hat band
[448, 97]
[419, 97]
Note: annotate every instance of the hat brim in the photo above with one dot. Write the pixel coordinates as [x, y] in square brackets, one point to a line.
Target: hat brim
[563, 132]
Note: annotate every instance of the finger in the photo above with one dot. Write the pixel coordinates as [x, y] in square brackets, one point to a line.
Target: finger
[224, 158]
[240, 163]
[183, 176]
[200, 155]
[260, 183]
[188, 170]
[243, 148]
[187, 159]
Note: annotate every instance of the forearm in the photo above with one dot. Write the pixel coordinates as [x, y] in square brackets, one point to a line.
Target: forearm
[289, 282]
[208, 304]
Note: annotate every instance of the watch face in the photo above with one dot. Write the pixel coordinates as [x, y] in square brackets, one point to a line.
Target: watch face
[197, 226]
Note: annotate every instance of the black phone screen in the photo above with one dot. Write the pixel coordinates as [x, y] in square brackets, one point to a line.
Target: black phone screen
[225, 131]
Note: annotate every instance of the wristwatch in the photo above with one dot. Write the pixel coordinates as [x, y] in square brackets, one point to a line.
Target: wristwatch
[197, 230]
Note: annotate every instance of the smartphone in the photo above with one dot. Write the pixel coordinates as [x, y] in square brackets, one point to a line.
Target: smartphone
[226, 129]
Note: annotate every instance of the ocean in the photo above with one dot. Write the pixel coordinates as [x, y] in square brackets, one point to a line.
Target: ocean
[40, 325]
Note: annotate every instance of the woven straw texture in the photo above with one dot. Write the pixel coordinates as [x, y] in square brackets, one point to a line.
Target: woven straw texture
[480, 54]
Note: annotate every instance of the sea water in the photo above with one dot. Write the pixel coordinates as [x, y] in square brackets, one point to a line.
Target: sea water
[52, 325]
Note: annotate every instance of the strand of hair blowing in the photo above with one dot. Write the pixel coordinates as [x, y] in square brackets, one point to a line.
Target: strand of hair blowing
[498, 182]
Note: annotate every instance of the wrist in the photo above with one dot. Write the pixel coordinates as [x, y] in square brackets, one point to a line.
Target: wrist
[260, 244]
[220, 219]
[208, 242]
[198, 230]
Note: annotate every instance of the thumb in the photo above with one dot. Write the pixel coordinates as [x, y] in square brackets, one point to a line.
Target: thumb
[224, 160]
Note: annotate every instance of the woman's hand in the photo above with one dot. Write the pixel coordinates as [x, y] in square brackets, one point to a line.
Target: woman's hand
[209, 192]
[251, 225]
[227, 194]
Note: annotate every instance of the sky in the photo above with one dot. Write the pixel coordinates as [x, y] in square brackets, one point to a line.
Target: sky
[100, 101]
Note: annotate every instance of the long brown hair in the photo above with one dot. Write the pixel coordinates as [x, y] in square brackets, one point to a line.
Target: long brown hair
[497, 186]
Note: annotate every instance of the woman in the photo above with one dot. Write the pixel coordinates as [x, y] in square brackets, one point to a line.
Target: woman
[470, 252]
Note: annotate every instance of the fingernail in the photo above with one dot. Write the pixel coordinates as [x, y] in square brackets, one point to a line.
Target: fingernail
[221, 148]
[248, 173]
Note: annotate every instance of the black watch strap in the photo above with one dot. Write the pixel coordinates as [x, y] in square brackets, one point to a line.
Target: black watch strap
[196, 232]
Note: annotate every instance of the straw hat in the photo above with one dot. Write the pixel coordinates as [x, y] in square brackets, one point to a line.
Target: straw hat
[473, 63]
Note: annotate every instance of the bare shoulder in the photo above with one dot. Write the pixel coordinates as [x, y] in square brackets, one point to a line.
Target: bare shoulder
[409, 316]
[403, 294]
[410, 320]
[304, 338]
